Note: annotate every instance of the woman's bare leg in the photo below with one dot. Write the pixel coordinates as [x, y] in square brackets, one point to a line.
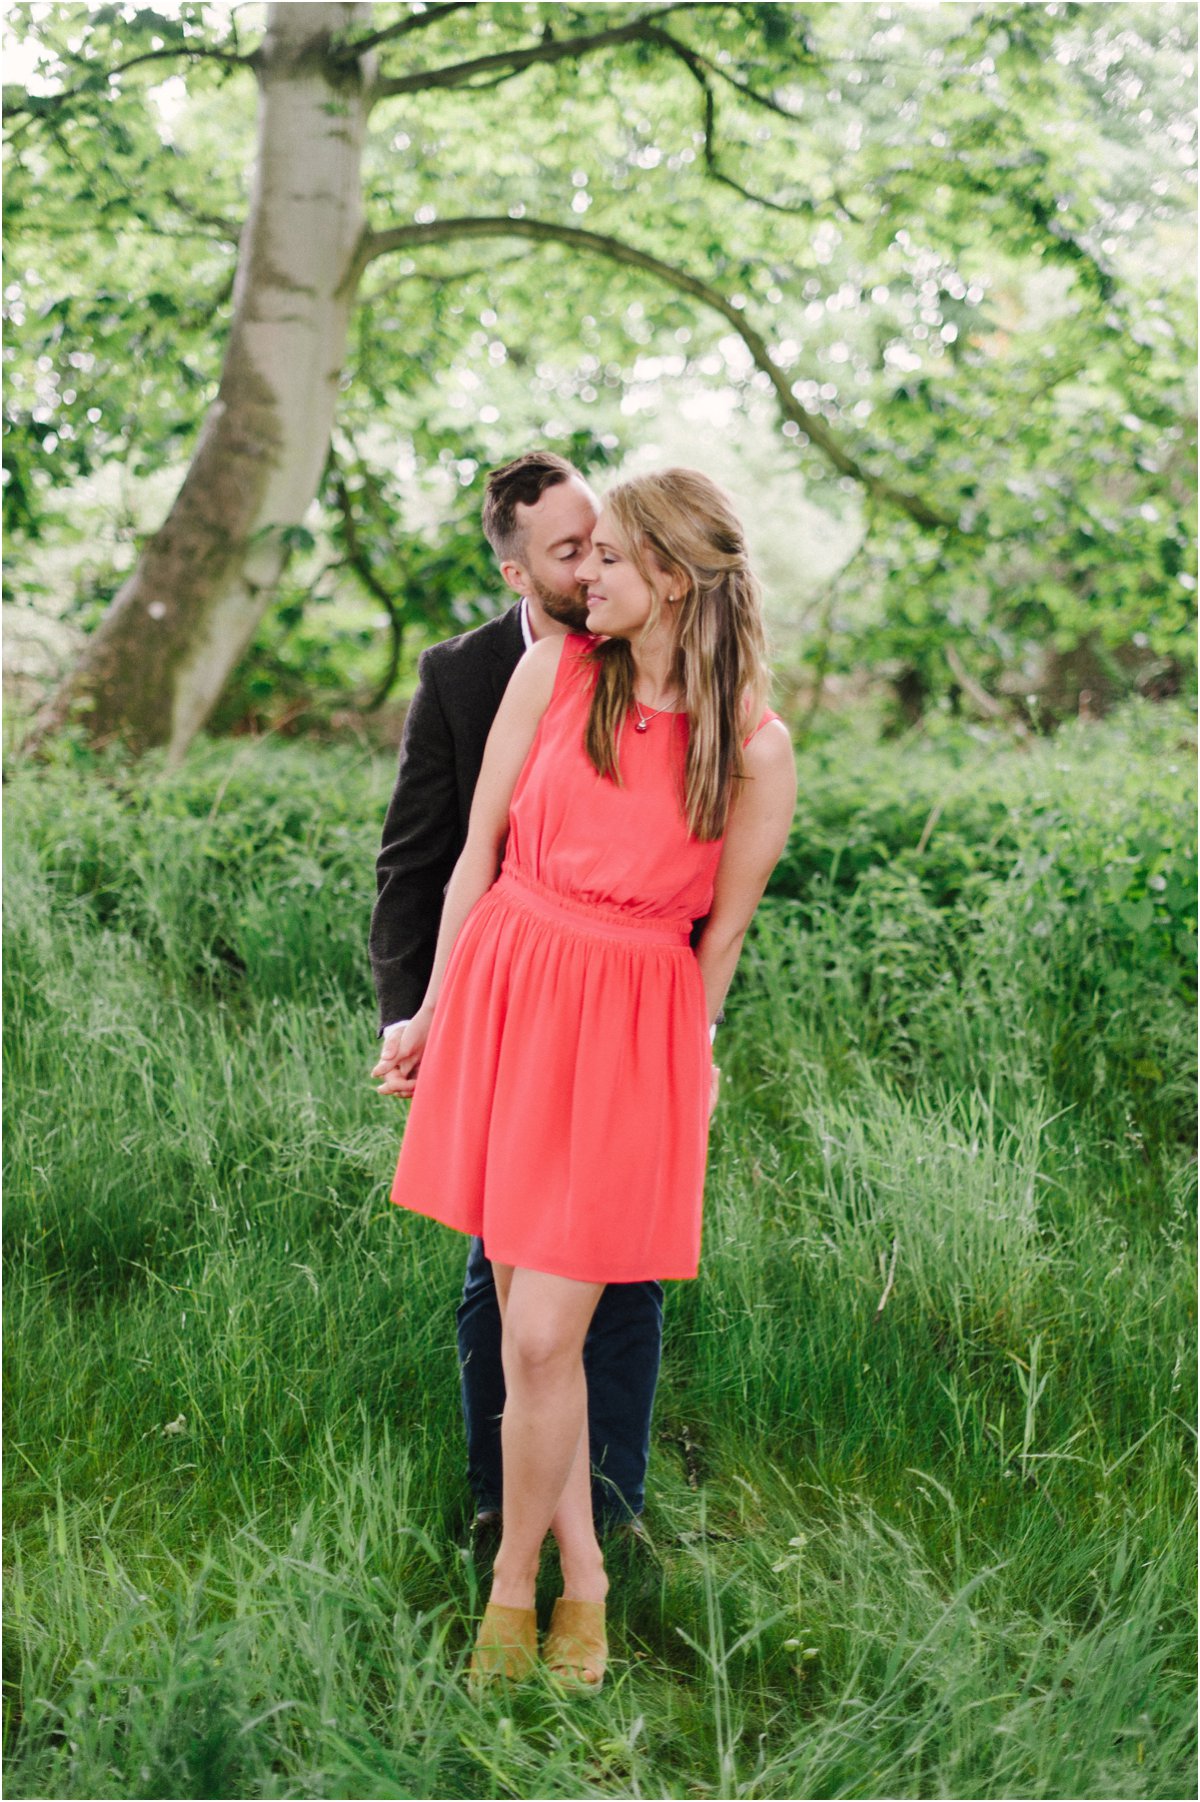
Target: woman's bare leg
[574, 1529]
[544, 1434]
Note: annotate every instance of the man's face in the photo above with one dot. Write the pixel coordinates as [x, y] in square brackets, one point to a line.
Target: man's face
[557, 536]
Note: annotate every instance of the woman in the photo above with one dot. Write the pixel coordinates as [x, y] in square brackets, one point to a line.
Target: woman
[632, 784]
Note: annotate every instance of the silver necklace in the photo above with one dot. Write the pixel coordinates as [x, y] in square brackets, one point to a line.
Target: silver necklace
[644, 719]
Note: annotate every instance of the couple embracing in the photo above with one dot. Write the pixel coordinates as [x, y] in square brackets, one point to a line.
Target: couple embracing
[603, 848]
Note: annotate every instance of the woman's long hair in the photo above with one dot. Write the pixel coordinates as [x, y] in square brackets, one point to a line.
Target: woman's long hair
[687, 525]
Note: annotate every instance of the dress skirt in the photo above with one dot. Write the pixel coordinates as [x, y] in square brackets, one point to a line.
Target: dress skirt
[561, 1107]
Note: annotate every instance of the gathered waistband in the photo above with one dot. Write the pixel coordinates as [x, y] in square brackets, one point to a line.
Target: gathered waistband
[594, 917]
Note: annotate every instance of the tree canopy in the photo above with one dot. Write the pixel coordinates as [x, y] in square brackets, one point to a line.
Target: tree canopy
[941, 257]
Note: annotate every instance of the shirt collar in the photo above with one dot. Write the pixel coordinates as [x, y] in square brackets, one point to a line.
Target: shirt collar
[526, 633]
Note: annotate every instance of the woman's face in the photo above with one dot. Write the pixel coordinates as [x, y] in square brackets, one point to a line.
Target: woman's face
[619, 598]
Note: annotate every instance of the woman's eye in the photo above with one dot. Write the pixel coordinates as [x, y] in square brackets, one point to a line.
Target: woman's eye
[608, 559]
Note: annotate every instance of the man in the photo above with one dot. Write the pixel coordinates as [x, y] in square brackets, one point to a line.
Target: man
[538, 516]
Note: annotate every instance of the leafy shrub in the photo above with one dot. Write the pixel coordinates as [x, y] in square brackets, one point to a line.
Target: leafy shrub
[964, 909]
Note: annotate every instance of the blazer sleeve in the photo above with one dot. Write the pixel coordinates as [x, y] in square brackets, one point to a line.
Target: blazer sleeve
[421, 843]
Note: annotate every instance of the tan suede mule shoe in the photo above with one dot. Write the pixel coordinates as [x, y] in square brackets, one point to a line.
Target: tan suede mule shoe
[506, 1646]
[576, 1648]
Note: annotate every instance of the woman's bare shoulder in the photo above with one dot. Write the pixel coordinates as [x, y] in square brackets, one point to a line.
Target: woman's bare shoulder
[769, 749]
[533, 679]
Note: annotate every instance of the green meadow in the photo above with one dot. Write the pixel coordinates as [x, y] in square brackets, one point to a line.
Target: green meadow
[920, 1512]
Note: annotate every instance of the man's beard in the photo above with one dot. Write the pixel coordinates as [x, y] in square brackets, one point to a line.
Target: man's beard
[568, 610]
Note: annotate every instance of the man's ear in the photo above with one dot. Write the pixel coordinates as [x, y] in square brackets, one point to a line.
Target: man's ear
[516, 576]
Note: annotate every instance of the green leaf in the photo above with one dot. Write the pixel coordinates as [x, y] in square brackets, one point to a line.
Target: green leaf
[1138, 916]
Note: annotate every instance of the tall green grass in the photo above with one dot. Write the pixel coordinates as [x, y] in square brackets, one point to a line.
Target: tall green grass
[920, 1503]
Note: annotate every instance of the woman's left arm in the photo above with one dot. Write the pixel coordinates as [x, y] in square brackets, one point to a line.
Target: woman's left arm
[759, 819]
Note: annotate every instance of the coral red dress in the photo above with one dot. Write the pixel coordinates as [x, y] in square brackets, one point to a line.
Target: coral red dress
[561, 1108]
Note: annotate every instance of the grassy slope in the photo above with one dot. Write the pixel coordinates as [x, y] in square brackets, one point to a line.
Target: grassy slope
[942, 1550]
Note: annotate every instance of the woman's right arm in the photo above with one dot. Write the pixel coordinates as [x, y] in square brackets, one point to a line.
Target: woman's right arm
[509, 742]
[757, 831]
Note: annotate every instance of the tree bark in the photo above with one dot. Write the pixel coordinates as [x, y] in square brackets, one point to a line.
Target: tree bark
[157, 663]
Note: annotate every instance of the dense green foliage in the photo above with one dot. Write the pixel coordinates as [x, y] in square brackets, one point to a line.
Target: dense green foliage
[963, 232]
[940, 1549]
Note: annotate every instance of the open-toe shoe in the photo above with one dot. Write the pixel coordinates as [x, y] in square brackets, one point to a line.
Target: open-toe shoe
[575, 1652]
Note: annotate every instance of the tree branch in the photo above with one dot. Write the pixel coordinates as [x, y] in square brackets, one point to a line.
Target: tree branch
[360, 563]
[43, 103]
[743, 88]
[824, 651]
[700, 67]
[644, 28]
[1036, 208]
[696, 68]
[442, 276]
[353, 48]
[503, 65]
[202, 52]
[229, 229]
[376, 244]
[990, 708]
[552, 50]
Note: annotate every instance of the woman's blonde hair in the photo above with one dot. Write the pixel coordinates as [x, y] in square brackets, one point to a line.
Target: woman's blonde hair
[686, 524]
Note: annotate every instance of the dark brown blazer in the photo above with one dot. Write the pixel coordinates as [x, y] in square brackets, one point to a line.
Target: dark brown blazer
[459, 688]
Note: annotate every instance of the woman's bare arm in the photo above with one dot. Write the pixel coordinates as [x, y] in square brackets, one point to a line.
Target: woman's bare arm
[509, 742]
[754, 840]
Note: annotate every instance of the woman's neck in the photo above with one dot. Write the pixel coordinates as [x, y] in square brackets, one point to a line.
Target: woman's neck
[652, 679]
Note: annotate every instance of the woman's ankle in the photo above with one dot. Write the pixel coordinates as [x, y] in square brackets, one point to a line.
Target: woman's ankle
[583, 1575]
[513, 1588]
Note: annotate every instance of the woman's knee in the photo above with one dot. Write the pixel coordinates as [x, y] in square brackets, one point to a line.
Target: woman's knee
[537, 1352]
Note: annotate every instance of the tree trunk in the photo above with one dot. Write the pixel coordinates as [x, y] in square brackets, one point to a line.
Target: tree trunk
[157, 663]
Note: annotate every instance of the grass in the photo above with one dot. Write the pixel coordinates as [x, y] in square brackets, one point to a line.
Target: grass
[942, 1548]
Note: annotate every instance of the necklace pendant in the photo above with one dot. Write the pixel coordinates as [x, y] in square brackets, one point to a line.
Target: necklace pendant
[641, 725]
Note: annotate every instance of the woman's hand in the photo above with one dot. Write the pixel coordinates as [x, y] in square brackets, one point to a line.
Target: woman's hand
[404, 1047]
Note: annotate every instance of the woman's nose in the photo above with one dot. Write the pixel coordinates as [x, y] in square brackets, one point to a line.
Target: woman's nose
[583, 570]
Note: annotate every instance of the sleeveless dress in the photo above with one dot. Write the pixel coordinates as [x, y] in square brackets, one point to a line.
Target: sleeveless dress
[561, 1107]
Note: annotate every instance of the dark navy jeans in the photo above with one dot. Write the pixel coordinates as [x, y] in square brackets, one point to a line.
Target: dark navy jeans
[620, 1357]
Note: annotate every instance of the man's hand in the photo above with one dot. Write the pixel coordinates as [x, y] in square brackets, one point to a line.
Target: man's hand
[389, 1059]
[400, 1057]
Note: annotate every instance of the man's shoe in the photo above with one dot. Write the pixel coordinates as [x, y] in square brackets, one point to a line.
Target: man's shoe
[628, 1527]
[486, 1529]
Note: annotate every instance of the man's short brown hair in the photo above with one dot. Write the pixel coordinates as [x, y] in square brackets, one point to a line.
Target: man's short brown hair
[518, 484]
